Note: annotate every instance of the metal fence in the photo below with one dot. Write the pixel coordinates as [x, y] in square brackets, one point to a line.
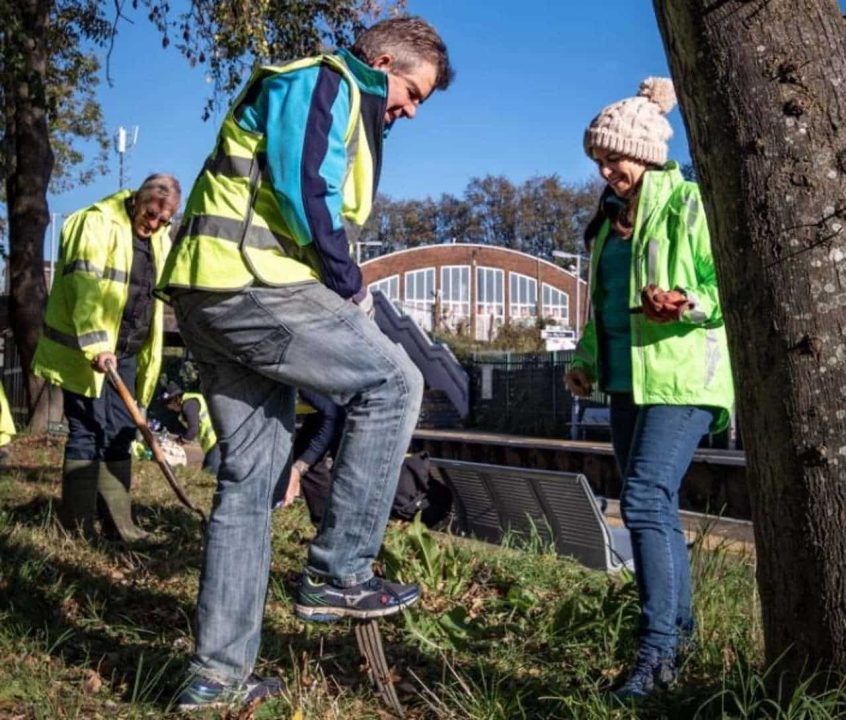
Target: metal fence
[13, 381]
[524, 394]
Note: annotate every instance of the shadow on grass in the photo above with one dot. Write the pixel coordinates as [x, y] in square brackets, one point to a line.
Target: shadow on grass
[115, 614]
[108, 621]
[172, 527]
[41, 475]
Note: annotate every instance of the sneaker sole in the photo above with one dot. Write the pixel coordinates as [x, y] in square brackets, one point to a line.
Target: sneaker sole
[315, 613]
[193, 707]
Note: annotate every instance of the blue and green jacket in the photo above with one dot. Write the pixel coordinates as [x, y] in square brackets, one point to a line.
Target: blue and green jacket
[290, 182]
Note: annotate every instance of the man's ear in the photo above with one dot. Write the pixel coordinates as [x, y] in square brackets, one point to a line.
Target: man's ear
[383, 62]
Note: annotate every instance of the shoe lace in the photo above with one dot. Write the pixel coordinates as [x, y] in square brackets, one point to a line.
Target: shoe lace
[377, 584]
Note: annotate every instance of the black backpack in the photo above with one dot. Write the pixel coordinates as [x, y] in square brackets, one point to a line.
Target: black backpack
[418, 490]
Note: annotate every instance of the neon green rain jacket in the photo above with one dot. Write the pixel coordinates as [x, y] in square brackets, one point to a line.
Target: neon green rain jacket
[676, 363]
[88, 297]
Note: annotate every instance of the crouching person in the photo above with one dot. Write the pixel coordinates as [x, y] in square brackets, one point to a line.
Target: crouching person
[101, 310]
[194, 417]
[268, 299]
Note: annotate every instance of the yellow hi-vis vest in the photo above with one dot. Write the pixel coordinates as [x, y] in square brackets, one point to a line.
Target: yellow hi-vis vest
[232, 232]
[89, 294]
[7, 423]
[207, 436]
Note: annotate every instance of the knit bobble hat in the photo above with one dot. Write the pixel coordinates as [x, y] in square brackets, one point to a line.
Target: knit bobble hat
[636, 127]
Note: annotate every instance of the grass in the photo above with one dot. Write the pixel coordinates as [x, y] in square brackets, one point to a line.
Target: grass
[96, 632]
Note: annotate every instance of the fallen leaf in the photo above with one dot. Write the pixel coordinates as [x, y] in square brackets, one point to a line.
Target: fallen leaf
[92, 682]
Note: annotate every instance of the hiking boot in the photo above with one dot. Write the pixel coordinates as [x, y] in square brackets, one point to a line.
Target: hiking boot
[320, 601]
[205, 694]
[651, 674]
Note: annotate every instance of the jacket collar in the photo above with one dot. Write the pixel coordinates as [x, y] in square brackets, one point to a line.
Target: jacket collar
[370, 80]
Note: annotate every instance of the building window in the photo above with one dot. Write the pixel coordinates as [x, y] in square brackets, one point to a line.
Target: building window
[556, 304]
[490, 302]
[523, 302]
[455, 295]
[388, 286]
[420, 295]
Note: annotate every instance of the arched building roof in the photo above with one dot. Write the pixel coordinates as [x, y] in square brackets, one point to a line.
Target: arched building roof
[494, 281]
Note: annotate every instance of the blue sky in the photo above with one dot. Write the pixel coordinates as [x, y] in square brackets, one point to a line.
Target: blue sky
[530, 76]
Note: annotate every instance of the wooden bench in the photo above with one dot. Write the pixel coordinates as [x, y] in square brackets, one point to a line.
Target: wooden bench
[492, 500]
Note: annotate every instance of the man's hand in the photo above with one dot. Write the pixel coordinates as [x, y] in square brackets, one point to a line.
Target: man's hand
[663, 306]
[100, 361]
[577, 383]
[293, 491]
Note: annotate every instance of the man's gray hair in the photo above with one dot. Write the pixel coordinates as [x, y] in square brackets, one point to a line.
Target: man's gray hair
[159, 186]
[410, 40]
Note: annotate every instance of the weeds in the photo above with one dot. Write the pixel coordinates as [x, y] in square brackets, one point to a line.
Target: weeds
[501, 633]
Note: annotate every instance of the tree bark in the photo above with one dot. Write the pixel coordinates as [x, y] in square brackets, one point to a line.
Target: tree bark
[762, 89]
[28, 175]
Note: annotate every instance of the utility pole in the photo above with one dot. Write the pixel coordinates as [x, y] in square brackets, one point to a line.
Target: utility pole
[574, 409]
[578, 258]
[125, 140]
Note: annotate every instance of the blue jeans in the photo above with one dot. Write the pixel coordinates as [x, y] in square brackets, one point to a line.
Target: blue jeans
[101, 428]
[253, 349]
[654, 445]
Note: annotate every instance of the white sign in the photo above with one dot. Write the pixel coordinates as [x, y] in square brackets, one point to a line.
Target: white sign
[558, 333]
[560, 343]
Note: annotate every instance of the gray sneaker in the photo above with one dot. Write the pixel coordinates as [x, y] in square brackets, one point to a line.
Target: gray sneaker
[205, 694]
[320, 601]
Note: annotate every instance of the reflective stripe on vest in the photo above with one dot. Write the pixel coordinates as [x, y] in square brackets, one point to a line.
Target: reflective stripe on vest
[76, 342]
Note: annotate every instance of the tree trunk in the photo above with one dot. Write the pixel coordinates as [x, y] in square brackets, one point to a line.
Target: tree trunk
[28, 149]
[762, 88]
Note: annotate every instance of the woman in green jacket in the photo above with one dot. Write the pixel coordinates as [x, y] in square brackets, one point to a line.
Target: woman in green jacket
[656, 344]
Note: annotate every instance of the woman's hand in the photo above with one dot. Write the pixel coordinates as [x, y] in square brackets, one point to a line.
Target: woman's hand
[663, 306]
[577, 383]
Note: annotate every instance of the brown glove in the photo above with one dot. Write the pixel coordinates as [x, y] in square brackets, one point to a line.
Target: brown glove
[663, 306]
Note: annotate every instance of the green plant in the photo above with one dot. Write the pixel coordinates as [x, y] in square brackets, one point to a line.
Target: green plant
[414, 555]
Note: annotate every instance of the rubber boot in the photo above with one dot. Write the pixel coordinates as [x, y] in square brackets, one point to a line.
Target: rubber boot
[113, 483]
[79, 496]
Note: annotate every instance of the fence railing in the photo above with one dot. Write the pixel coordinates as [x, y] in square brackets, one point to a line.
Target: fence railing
[524, 394]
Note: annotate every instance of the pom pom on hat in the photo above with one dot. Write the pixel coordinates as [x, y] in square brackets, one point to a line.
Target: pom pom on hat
[660, 91]
[636, 127]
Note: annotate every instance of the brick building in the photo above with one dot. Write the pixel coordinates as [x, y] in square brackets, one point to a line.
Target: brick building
[476, 287]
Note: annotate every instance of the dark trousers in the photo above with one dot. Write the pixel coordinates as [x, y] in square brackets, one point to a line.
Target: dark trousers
[211, 461]
[101, 428]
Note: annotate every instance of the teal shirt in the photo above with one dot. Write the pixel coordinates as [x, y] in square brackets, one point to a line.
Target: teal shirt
[615, 335]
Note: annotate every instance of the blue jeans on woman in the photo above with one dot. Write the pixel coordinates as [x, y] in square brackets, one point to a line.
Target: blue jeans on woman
[654, 445]
[253, 348]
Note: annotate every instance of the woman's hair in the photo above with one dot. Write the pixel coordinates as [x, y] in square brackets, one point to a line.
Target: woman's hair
[410, 40]
[623, 223]
[621, 212]
[159, 186]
